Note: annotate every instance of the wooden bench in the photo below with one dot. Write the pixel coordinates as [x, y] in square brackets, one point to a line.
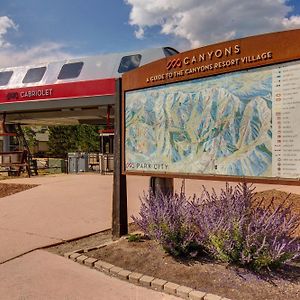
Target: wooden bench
[14, 162]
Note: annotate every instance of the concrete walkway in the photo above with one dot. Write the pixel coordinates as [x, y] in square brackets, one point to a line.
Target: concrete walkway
[61, 208]
[44, 276]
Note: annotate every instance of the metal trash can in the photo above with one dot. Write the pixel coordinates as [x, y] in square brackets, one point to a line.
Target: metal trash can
[78, 162]
[72, 162]
[110, 162]
[103, 163]
[83, 162]
[106, 163]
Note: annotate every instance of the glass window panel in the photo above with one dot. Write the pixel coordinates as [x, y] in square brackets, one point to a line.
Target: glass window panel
[71, 70]
[129, 63]
[34, 75]
[5, 77]
[168, 51]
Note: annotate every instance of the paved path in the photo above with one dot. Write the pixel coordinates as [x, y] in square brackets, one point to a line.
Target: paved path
[61, 208]
[44, 276]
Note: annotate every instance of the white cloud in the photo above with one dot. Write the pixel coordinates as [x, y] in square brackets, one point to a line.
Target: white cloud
[5, 24]
[44, 52]
[10, 55]
[292, 22]
[139, 33]
[209, 21]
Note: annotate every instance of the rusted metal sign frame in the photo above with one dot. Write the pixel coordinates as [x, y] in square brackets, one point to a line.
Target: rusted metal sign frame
[227, 57]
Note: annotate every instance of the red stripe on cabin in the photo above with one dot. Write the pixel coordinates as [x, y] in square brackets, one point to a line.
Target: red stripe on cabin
[101, 87]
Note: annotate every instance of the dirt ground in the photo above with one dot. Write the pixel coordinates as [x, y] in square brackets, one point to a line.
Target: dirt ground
[278, 197]
[147, 257]
[9, 189]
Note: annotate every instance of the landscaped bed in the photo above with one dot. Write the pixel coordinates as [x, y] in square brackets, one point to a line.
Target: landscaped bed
[202, 273]
[147, 257]
[7, 189]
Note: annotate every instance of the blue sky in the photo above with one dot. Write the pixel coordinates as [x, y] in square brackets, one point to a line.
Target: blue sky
[40, 30]
[84, 27]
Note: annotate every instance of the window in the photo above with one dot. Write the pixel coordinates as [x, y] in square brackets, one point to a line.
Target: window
[71, 70]
[34, 75]
[129, 63]
[168, 51]
[5, 77]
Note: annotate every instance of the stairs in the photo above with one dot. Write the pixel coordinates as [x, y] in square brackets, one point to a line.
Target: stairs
[23, 144]
[17, 143]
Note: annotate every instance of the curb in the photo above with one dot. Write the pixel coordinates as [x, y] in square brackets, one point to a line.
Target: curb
[156, 284]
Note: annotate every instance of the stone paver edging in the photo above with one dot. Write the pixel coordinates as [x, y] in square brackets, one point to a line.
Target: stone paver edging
[138, 278]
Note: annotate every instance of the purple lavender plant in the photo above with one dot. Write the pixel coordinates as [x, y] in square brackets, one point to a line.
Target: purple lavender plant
[269, 240]
[165, 218]
[231, 227]
[234, 230]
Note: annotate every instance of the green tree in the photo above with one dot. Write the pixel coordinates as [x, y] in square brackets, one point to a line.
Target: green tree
[31, 134]
[64, 139]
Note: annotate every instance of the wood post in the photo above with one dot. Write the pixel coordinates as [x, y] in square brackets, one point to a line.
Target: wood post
[119, 214]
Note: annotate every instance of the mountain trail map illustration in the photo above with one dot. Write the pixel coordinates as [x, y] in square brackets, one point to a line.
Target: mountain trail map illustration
[218, 125]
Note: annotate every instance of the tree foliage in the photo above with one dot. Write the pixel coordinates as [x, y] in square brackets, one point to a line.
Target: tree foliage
[32, 133]
[64, 139]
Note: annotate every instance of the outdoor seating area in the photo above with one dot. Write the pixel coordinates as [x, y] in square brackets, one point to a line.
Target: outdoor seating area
[14, 162]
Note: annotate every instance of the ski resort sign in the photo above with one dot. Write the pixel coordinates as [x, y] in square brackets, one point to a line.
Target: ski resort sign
[226, 110]
[202, 62]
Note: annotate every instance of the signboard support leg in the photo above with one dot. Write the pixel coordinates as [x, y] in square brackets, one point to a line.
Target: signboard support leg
[162, 185]
[119, 215]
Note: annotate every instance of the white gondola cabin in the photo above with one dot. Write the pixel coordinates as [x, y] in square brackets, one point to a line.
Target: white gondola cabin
[71, 91]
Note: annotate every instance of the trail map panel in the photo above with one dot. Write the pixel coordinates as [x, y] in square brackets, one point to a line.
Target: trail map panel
[243, 123]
